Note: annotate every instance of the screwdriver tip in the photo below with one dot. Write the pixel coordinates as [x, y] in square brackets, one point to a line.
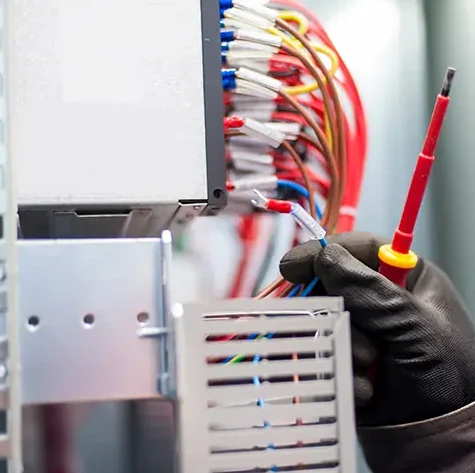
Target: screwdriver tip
[448, 80]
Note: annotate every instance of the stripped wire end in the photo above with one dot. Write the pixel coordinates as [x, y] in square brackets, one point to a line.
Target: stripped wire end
[260, 201]
[300, 215]
[272, 205]
[448, 81]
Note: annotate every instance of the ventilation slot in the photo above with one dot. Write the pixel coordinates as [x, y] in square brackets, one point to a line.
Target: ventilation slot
[271, 396]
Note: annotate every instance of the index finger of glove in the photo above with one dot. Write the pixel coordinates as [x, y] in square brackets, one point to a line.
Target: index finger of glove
[297, 266]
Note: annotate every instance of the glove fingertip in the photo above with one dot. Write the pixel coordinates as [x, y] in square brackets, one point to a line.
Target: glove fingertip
[332, 257]
[297, 265]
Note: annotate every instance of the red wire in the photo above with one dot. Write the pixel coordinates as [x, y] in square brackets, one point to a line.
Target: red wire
[248, 229]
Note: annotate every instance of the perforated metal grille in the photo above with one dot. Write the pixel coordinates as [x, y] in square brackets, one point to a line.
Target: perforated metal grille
[263, 378]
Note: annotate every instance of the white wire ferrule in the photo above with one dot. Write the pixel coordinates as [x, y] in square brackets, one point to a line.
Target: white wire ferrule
[248, 18]
[306, 221]
[243, 155]
[237, 60]
[263, 133]
[289, 129]
[255, 90]
[265, 183]
[240, 45]
[259, 37]
[259, 10]
[259, 79]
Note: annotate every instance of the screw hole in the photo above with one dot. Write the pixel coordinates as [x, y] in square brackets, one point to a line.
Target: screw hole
[218, 193]
[33, 322]
[88, 320]
[143, 318]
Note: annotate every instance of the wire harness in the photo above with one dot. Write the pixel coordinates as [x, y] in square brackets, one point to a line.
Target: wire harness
[288, 134]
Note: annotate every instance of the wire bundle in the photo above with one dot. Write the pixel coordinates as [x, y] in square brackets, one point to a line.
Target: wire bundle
[291, 145]
[285, 83]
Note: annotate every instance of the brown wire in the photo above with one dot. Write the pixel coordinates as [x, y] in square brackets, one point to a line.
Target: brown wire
[299, 163]
[270, 288]
[331, 85]
[321, 138]
[333, 204]
[327, 101]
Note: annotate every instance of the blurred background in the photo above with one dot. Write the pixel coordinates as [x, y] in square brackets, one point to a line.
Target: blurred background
[397, 51]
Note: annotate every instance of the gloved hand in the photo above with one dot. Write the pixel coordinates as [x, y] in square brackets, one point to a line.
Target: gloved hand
[423, 336]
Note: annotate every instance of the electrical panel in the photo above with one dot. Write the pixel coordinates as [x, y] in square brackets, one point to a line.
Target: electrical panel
[115, 115]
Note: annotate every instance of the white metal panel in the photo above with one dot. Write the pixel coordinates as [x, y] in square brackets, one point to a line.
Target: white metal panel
[107, 101]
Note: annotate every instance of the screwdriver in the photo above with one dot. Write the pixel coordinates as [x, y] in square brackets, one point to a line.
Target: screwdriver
[397, 259]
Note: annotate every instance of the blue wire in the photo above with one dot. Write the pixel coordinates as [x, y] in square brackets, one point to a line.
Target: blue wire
[295, 291]
[306, 292]
[251, 337]
[301, 190]
[260, 402]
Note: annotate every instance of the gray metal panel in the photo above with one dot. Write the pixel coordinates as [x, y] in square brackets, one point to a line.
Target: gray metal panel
[61, 282]
[100, 106]
[214, 106]
[10, 369]
[222, 428]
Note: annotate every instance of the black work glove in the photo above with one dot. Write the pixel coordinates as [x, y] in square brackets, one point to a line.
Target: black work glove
[423, 336]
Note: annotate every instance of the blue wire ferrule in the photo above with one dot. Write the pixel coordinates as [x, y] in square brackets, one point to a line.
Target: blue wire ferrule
[227, 36]
[228, 74]
[228, 78]
[229, 85]
[226, 4]
[224, 47]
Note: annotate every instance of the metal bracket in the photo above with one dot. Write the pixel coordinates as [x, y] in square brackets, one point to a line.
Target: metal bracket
[93, 325]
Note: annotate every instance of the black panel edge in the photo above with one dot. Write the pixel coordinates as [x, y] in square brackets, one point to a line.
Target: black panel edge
[213, 103]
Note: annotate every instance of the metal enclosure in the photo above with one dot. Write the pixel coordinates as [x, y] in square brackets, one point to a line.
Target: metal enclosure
[116, 115]
[253, 415]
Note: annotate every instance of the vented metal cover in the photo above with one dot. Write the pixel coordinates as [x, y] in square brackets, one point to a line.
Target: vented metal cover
[276, 395]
